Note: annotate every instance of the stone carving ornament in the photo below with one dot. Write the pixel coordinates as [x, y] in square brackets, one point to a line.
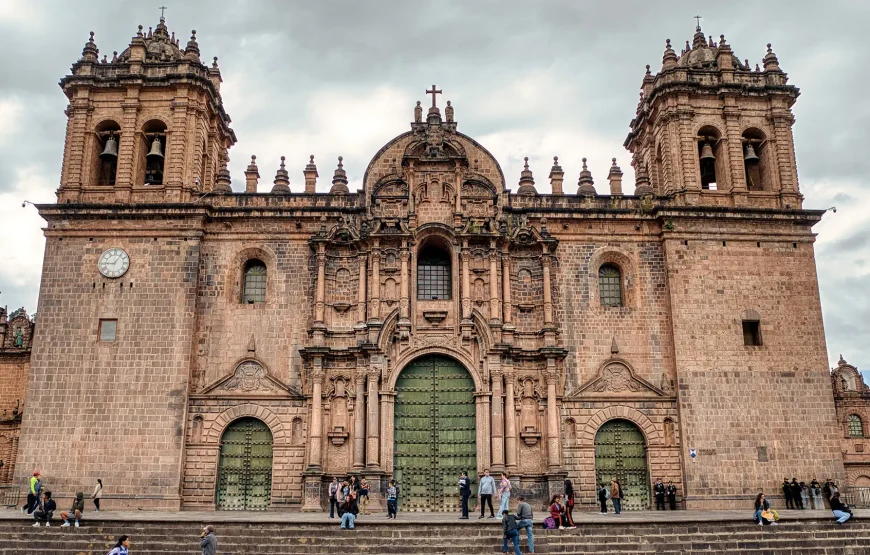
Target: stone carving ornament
[616, 378]
[249, 376]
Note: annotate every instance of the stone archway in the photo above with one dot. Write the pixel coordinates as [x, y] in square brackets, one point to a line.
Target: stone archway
[434, 432]
[620, 452]
[245, 468]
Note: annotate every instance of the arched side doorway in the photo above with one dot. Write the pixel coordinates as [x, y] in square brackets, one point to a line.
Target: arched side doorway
[620, 452]
[435, 433]
[245, 468]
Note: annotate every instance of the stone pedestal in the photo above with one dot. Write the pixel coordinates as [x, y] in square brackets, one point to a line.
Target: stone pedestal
[313, 492]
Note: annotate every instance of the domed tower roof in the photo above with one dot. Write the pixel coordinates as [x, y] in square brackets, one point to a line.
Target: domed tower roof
[702, 53]
[160, 46]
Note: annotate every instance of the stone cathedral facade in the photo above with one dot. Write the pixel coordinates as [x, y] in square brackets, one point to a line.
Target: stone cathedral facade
[201, 346]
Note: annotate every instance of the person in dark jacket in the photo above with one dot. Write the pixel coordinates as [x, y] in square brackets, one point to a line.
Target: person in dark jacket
[659, 491]
[78, 507]
[45, 510]
[509, 522]
[602, 497]
[208, 541]
[569, 505]
[796, 491]
[464, 493]
[841, 511]
[671, 490]
[786, 492]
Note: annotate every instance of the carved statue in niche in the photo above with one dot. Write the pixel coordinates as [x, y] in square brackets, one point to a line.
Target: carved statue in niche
[296, 432]
[19, 337]
[478, 292]
[391, 292]
[338, 404]
[669, 432]
[529, 405]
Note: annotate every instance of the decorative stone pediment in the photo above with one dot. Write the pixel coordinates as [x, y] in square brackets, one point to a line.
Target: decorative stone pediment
[249, 378]
[617, 378]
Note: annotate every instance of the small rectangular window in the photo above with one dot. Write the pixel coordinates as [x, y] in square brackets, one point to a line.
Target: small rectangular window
[108, 330]
[751, 333]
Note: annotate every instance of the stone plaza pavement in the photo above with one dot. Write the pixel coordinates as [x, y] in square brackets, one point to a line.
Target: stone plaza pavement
[217, 517]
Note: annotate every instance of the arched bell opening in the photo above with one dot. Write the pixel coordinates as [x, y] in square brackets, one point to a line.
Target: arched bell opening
[710, 158]
[105, 153]
[153, 152]
[756, 161]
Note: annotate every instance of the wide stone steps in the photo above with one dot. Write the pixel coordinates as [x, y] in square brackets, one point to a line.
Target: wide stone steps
[370, 537]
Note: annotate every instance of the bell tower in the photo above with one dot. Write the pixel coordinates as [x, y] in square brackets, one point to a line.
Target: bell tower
[147, 125]
[710, 129]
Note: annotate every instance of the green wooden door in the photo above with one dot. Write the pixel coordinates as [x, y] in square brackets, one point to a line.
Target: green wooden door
[620, 452]
[245, 470]
[435, 433]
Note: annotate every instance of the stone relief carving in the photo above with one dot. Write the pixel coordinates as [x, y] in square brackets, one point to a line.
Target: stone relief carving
[616, 378]
[249, 376]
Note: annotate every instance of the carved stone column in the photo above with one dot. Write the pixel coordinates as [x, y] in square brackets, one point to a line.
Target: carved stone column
[375, 288]
[484, 460]
[494, 309]
[372, 425]
[465, 260]
[554, 458]
[359, 417]
[361, 294]
[548, 291]
[497, 433]
[510, 424]
[320, 300]
[388, 401]
[316, 432]
[405, 301]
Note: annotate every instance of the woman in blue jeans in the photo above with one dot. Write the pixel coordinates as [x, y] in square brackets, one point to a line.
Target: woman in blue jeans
[616, 495]
[504, 490]
[511, 532]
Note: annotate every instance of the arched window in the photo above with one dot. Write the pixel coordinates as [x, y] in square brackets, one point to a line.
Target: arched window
[755, 161]
[254, 287]
[106, 152]
[709, 158]
[154, 150]
[856, 426]
[610, 285]
[433, 274]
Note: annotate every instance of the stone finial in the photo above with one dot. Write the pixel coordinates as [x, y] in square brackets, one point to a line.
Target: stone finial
[105, 60]
[252, 176]
[724, 56]
[214, 64]
[214, 74]
[311, 176]
[746, 64]
[699, 40]
[223, 182]
[614, 347]
[448, 112]
[139, 33]
[252, 345]
[757, 69]
[710, 42]
[161, 30]
[669, 59]
[615, 179]
[556, 177]
[192, 50]
[114, 56]
[339, 179]
[642, 186]
[527, 181]
[90, 53]
[771, 63]
[418, 113]
[586, 186]
[282, 180]
[842, 361]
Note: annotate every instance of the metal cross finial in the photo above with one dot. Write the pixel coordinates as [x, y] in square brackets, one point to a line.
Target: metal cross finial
[162, 9]
[433, 92]
[698, 19]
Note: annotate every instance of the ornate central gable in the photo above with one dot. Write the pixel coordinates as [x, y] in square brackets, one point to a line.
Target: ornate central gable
[249, 378]
[617, 378]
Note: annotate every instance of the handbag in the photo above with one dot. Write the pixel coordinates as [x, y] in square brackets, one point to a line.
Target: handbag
[549, 523]
[775, 514]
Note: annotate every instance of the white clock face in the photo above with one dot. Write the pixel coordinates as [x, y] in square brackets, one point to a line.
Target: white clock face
[114, 263]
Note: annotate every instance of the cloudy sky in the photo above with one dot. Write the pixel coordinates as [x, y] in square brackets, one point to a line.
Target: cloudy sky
[534, 78]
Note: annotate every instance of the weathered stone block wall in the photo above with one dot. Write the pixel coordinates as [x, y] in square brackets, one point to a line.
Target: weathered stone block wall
[755, 414]
[210, 416]
[111, 410]
[13, 382]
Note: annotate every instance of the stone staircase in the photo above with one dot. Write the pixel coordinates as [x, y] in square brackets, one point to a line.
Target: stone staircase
[17, 537]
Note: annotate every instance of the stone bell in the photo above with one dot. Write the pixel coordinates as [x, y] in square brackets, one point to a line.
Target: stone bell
[749, 156]
[156, 150]
[707, 153]
[111, 149]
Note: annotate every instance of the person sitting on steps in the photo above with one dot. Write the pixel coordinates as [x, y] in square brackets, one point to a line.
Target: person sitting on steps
[841, 511]
[78, 507]
[45, 510]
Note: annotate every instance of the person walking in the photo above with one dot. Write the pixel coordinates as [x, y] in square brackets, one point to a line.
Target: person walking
[98, 494]
[464, 494]
[364, 496]
[334, 486]
[841, 511]
[78, 507]
[524, 520]
[569, 505]
[796, 491]
[504, 490]
[786, 492]
[672, 495]
[33, 494]
[659, 491]
[616, 496]
[45, 510]
[511, 532]
[208, 541]
[485, 490]
[392, 500]
[122, 547]
[603, 496]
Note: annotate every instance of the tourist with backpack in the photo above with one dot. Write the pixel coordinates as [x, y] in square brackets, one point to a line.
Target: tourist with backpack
[603, 496]
[122, 547]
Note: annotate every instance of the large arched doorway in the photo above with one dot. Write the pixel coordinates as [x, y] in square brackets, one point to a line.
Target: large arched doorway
[245, 469]
[435, 433]
[620, 452]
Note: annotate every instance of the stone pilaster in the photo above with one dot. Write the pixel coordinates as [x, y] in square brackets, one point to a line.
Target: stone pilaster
[510, 425]
[359, 419]
[372, 422]
[497, 432]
